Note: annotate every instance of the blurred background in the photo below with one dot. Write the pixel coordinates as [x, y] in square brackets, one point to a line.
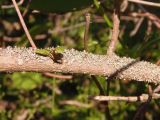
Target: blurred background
[40, 96]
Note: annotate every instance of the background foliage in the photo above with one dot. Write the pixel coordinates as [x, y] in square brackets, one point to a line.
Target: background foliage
[35, 96]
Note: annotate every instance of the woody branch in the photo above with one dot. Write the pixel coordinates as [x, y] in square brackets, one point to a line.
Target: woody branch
[24, 59]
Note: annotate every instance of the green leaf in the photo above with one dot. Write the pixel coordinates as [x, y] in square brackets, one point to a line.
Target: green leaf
[59, 6]
[44, 52]
[26, 80]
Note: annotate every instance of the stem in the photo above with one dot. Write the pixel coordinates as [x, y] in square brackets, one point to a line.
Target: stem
[24, 25]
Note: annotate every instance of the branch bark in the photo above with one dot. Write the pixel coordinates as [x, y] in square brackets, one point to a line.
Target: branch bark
[25, 59]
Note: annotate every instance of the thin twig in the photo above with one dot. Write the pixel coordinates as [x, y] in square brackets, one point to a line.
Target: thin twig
[58, 76]
[75, 103]
[141, 98]
[23, 24]
[88, 18]
[137, 26]
[115, 31]
[149, 28]
[148, 3]
[157, 89]
[150, 16]
[26, 8]
[15, 39]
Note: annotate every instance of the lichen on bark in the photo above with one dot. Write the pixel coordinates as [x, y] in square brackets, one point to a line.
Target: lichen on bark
[25, 59]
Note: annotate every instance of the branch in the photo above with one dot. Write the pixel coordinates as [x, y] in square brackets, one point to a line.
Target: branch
[58, 76]
[145, 3]
[25, 59]
[141, 98]
[75, 103]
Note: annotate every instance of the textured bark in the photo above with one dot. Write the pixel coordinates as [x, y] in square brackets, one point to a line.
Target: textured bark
[25, 59]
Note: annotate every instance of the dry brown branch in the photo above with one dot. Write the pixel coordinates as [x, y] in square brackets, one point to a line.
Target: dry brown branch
[24, 59]
[142, 98]
[23, 24]
[145, 3]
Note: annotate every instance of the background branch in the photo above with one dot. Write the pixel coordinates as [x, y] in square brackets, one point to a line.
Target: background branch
[141, 98]
[148, 3]
[23, 24]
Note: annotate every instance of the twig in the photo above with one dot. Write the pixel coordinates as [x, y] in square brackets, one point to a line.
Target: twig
[75, 103]
[150, 16]
[115, 31]
[10, 39]
[26, 8]
[137, 26]
[15, 39]
[23, 24]
[157, 89]
[23, 59]
[145, 3]
[88, 18]
[58, 76]
[141, 98]
[149, 28]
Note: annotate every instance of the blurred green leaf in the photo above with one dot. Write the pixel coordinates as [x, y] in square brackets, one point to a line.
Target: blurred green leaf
[26, 81]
